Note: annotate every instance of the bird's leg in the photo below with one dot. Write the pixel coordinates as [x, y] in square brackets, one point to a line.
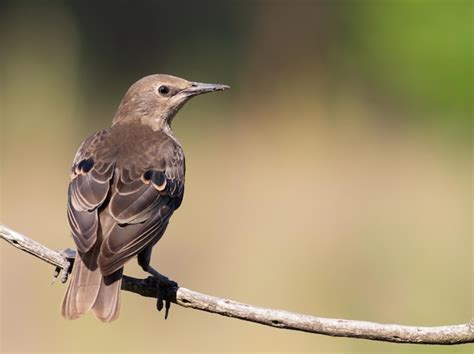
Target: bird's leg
[153, 272]
[166, 287]
[166, 290]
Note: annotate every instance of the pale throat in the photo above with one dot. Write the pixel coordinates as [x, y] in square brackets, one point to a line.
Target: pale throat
[160, 123]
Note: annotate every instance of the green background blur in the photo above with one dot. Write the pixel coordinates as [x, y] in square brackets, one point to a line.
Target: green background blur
[334, 179]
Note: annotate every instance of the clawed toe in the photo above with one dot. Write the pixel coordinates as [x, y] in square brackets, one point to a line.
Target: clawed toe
[61, 274]
[166, 294]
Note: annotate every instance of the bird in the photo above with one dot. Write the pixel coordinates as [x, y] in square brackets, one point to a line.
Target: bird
[126, 181]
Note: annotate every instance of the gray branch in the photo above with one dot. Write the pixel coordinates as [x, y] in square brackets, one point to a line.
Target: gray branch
[455, 334]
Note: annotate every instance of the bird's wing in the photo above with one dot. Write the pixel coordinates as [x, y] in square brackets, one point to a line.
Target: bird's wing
[146, 192]
[92, 172]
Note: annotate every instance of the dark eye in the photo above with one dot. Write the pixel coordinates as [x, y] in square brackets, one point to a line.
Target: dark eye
[164, 90]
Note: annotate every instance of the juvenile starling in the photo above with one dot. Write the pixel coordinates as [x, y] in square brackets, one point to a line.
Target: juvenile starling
[126, 182]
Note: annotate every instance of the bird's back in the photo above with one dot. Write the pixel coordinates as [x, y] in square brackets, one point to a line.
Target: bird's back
[127, 181]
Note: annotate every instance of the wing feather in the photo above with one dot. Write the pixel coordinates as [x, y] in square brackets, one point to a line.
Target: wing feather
[139, 190]
[88, 189]
[146, 194]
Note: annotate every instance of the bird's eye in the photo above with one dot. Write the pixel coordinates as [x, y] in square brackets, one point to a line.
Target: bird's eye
[164, 90]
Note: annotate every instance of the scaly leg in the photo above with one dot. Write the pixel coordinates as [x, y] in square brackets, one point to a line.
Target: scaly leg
[166, 287]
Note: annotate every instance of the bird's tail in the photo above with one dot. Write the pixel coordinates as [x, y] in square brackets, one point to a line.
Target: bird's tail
[89, 290]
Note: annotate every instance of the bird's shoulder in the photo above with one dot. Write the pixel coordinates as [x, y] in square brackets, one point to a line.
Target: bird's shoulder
[149, 175]
[95, 150]
[141, 148]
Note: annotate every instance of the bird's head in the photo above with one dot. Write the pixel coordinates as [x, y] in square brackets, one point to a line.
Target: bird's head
[155, 99]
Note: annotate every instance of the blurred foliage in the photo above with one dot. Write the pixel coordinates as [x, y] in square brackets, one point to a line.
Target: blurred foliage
[422, 52]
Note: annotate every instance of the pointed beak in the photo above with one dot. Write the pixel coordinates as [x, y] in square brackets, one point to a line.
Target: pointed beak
[198, 88]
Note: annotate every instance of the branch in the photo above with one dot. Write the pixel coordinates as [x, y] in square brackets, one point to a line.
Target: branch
[456, 334]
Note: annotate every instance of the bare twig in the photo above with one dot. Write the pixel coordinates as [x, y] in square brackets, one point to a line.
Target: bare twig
[455, 334]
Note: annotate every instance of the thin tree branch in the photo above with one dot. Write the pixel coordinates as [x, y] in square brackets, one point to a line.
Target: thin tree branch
[455, 334]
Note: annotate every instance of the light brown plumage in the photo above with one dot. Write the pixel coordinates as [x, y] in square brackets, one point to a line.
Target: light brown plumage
[126, 182]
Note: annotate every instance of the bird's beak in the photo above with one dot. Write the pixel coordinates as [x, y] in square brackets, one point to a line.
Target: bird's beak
[198, 88]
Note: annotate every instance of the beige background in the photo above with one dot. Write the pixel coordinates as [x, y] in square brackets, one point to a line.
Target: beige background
[308, 189]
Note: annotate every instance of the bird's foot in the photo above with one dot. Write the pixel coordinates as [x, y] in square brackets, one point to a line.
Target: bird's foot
[166, 293]
[62, 273]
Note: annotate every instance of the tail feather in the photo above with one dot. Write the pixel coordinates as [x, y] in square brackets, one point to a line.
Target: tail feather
[69, 309]
[88, 280]
[88, 289]
[107, 304]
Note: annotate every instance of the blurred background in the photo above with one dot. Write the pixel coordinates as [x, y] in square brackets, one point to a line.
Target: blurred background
[334, 179]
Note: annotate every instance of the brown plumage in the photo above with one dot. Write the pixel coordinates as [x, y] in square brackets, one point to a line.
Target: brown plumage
[126, 182]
